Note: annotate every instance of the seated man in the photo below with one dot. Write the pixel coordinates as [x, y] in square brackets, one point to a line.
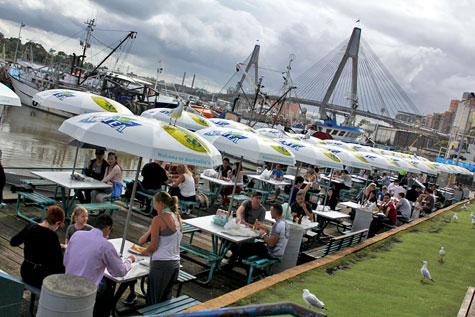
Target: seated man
[298, 188]
[413, 193]
[252, 210]
[395, 188]
[154, 177]
[404, 206]
[301, 208]
[275, 239]
[428, 202]
[89, 253]
[390, 216]
[278, 175]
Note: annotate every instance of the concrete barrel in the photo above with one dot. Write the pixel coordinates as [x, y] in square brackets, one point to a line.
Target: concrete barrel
[66, 295]
[291, 250]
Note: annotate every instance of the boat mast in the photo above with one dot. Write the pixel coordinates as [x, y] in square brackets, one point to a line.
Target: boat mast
[90, 24]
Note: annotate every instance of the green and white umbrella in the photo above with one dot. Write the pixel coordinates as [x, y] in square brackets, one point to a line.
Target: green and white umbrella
[312, 154]
[78, 102]
[143, 137]
[230, 124]
[188, 120]
[381, 162]
[404, 164]
[340, 144]
[349, 158]
[424, 166]
[309, 139]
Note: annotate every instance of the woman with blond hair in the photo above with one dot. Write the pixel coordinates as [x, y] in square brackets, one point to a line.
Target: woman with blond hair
[42, 251]
[78, 222]
[184, 184]
[165, 236]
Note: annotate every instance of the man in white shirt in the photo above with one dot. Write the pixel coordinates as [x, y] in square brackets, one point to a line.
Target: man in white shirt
[394, 188]
[404, 206]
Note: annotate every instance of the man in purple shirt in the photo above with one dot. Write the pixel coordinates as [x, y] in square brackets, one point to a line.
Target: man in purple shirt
[89, 253]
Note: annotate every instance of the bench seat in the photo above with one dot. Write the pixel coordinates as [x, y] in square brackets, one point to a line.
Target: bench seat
[35, 199]
[337, 244]
[212, 259]
[37, 182]
[183, 277]
[173, 305]
[95, 209]
[263, 264]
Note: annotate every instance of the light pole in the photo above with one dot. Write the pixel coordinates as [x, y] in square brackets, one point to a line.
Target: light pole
[19, 40]
[470, 100]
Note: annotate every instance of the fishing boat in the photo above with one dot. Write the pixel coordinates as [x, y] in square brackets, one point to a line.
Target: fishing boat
[329, 129]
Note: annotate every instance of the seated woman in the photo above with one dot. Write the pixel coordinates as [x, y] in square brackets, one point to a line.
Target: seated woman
[113, 176]
[78, 222]
[371, 200]
[184, 184]
[332, 199]
[228, 190]
[42, 250]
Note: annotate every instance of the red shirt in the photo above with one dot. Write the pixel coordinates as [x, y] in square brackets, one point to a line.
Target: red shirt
[392, 211]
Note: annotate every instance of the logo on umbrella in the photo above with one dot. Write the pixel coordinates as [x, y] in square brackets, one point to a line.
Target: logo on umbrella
[359, 157]
[331, 156]
[232, 136]
[117, 122]
[199, 120]
[185, 138]
[221, 123]
[104, 104]
[281, 149]
[167, 112]
[61, 95]
[294, 146]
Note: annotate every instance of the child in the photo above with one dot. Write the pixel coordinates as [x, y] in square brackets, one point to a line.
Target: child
[78, 222]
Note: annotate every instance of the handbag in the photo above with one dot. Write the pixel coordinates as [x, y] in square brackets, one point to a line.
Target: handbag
[116, 189]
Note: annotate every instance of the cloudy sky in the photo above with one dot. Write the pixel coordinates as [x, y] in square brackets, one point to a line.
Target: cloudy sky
[426, 45]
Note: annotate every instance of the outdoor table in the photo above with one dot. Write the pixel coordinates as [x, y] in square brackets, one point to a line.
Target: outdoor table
[290, 222]
[271, 182]
[350, 204]
[64, 180]
[333, 180]
[220, 182]
[325, 217]
[359, 178]
[292, 177]
[137, 272]
[221, 241]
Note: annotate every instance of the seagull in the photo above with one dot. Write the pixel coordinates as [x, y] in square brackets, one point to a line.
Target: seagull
[455, 218]
[472, 216]
[425, 272]
[441, 254]
[464, 206]
[176, 113]
[312, 300]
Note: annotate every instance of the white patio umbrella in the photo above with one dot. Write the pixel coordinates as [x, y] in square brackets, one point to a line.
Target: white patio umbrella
[78, 102]
[380, 162]
[443, 168]
[349, 158]
[339, 144]
[405, 165]
[8, 97]
[273, 133]
[249, 145]
[188, 120]
[230, 124]
[425, 167]
[143, 137]
[309, 139]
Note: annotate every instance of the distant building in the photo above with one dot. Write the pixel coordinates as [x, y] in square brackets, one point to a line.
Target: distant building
[454, 105]
[408, 117]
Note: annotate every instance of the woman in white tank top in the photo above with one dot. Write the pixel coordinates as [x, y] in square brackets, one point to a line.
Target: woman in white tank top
[165, 235]
[184, 185]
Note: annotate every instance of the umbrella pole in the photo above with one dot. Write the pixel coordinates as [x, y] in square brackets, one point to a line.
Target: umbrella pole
[75, 159]
[293, 185]
[364, 189]
[234, 187]
[129, 211]
[327, 189]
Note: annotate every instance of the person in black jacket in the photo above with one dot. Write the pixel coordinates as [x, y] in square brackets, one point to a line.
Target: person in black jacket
[42, 251]
[332, 199]
[96, 168]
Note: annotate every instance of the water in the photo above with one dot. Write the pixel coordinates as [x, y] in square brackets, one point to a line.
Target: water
[30, 138]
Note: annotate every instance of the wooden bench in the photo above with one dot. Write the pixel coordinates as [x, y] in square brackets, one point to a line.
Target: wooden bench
[95, 209]
[468, 306]
[263, 264]
[35, 199]
[337, 244]
[212, 259]
[171, 306]
[183, 277]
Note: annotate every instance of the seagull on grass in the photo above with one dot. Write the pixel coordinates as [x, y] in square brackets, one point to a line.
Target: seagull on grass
[176, 113]
[312, 300]
[472, 216]
[464, 206]
[455, 218]
[425, 272]
[441, 254]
